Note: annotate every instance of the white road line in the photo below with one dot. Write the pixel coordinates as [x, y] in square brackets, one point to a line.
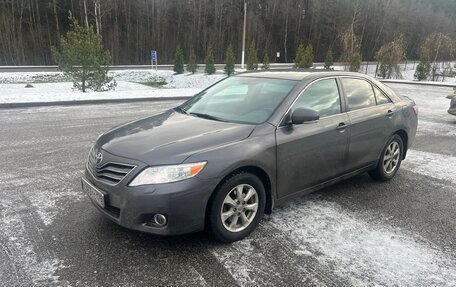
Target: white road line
[431, 164]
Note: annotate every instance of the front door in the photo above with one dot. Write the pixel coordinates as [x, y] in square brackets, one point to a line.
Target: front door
[311, 153]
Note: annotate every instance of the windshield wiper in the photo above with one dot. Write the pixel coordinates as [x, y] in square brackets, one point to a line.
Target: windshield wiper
[181, 110]
[206, 116]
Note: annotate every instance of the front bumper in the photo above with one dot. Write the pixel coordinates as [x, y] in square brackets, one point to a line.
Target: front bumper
[183, 203]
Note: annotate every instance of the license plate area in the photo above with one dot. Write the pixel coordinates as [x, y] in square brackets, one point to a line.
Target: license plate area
[94, 193]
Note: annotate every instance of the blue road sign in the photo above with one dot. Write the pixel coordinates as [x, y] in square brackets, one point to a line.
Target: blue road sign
[153, 55]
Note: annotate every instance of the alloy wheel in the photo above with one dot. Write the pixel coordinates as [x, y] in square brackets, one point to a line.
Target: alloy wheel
[239, 207]
[391, 157]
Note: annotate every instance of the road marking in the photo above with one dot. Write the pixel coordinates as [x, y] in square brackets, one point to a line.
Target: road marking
[431, 164]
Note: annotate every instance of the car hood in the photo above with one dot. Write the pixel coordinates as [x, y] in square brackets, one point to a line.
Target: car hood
[170, 137]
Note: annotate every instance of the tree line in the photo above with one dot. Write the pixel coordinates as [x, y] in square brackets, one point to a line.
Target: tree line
[350, 29]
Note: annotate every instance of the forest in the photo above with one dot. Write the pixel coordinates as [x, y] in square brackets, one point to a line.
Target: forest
[131, 28]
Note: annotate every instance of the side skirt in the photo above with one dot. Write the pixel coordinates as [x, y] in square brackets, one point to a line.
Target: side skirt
[322, 185]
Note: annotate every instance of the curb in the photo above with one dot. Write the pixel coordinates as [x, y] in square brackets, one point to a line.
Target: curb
[88, 102]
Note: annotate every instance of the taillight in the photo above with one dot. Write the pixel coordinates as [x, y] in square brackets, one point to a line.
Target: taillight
[415, 109]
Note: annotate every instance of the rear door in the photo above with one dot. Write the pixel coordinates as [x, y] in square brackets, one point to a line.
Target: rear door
[371, 115]
[312, 153]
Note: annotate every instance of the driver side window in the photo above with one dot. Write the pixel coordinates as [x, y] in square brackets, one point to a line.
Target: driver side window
[321, 96]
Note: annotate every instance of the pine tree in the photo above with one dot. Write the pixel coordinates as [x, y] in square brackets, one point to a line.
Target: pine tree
[209, 60]
[355, 63]
[82, 57]
[265, 62]
[385, 67]
[179, 60]
[252, 58]
[192, 66]
[308, 56]
[423, 70]
[300, 55]
[229, 60]
[329, 60]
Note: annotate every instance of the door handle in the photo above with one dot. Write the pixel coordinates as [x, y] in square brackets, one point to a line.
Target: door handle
[341, 127]
[390, 113]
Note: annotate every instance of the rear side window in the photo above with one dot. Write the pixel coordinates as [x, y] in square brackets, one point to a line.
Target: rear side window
[359, 93]
[321, 96]
[381, 98]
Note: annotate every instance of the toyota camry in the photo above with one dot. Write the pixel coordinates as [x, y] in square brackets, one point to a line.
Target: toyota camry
[245, 145]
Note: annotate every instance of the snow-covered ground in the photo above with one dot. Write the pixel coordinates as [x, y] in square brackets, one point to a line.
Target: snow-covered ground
[407, 72]
[55, 92]
[50, 87]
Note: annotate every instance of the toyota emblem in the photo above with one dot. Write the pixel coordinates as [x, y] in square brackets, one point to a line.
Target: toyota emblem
[98, 158]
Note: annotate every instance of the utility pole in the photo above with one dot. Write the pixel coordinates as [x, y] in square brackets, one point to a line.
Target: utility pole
[243, 35]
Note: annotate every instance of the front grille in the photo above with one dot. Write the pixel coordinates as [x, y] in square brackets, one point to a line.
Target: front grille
[110, 172]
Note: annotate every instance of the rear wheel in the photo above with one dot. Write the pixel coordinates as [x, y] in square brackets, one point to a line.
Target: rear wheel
[237, 207]
[390, 161]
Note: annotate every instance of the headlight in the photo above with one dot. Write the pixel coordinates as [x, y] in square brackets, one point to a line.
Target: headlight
[167, 173]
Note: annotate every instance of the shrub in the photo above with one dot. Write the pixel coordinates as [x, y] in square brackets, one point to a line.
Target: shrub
[229, 60]
[82, 58]
[179, 60]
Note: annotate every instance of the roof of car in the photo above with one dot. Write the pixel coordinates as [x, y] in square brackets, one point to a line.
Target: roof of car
[294, 74]
[309, 75]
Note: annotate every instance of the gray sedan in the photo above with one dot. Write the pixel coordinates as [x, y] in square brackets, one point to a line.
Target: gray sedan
[245, 145]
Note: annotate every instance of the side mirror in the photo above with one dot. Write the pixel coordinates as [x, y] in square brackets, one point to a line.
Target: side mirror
[302, 115]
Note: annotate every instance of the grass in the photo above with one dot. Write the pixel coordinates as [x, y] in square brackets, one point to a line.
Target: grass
[153, 84]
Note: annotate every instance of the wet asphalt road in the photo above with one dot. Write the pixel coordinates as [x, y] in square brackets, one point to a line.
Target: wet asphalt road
[356, 233]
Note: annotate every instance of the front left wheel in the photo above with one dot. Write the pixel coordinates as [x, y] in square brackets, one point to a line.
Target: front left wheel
[237, 207]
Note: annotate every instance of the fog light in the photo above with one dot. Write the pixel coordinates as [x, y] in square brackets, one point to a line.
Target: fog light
[159, 220]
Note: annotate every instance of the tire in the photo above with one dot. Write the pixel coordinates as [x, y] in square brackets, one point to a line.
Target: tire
[241, 210]
[388, 166]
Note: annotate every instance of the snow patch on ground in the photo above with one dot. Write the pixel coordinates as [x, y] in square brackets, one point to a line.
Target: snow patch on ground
[439, 129]
[363, 252]
[12, 87]
[193, 81]
[246, 265]
[172, 80]
[431, 164]
[198, 80]
[19, 247]
[49, 92]
[31, 77]
[48, 205]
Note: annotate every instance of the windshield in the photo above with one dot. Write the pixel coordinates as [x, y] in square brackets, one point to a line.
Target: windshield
[240, 99]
